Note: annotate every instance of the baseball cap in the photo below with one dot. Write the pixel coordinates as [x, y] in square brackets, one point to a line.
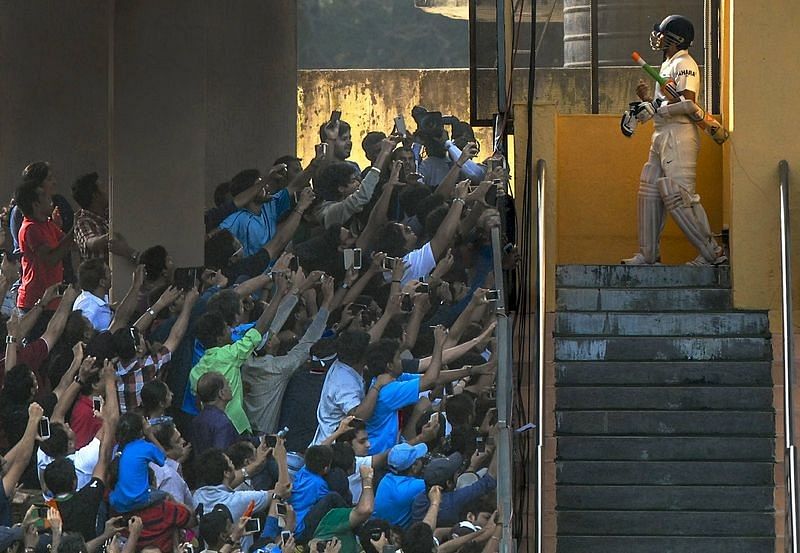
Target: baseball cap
[438, 471]
[402, 456]
[214, 522]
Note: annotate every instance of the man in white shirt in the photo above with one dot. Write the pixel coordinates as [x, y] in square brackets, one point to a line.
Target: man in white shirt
[668, 179]
[94, 277]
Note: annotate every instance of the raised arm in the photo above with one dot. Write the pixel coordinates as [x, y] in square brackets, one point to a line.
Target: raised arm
[124, 313]
[365, 409]
[110, 414]
[445, 188]
[68, 387]
[379, 215]
[20, 455]
[56, 325]
[422, 304]
[166, 299]
[28, 320]
[466, 316]
[434, 498]
[447, 230]
[393, 307]
[431, 375]
[288, 227]
[451, 354]
[366, 503]
[178, 330]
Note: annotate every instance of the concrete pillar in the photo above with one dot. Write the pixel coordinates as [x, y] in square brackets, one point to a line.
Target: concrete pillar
[202, 89]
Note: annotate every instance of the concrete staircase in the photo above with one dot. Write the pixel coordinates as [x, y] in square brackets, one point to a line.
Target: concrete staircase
[665, 426]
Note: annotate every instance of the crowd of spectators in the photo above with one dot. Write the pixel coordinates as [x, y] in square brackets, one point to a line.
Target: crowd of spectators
[324, 382]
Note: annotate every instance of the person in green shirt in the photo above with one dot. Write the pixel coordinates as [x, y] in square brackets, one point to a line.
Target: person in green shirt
[342, 522]
[226, 357]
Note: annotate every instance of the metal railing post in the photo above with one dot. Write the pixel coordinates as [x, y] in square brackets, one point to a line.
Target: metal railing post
[788, 358]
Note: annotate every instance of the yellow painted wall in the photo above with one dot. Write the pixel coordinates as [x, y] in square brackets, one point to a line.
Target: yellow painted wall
[762, 136]
[598, 177]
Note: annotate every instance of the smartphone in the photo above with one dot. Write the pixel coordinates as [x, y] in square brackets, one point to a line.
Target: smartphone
[97, 403]
[480, 444]
[389, 263]
[42, 510]
[44, 428]
[335, 115]
[492, 295]
[293, 264]
[252, 526]
[400, 125]
[388, 548]
[286, 535]
[321, 546]
[491, 196]
[494, 163]
[188, 548]
[185, 277]
[281, 509]
[321, 150]
[423, 288]
[406, 304]
[271, 440]
[62, 288]
[352, 258]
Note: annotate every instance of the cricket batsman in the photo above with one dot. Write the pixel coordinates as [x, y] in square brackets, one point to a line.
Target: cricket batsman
[667, 182]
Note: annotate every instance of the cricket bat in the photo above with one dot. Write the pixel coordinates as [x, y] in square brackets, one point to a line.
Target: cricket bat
[704, 120]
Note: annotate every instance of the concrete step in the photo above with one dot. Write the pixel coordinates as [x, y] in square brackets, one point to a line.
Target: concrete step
[652, 348]
[671, 399]
[664, 448]
[664, 473]
[643, 299]
[666, 423]
[661, 373]
[664, 523]
[664, 544]
[736, 323]
[626, 276]
[665, 498]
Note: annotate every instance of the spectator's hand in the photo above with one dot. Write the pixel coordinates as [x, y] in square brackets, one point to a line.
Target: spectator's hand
[87, 368]
[282, 264]
[135, 526]
[394, 176]
[57, 219]
[351, 276]
[281, 283]
[191, 298]
[307, 197]
[383, 379]
[77, 350]
[389, 143]
[395, 304]
[167, 298]
[13, 325]
[400, 269]
[439, 335]
[366, 472]
[485, 336]
[279, 451]
[70, 294]
[327, 290]
[50, 293]
[262, 452]
[237, 531]
[643, 91]
[479, 459]
[479, 194]
[332, 131]
[289, 546]
[35, 412]
[479, 297]
[486, 368]
[138, 276]
[470, 150]
[108, 372]
[314, 278]
[422, 303]
[115, 546]
[219, 279]
[344, 425]
[376, 265]
[277, 170]
[430, 430]
[186, 451]
[435, 495]
[461, 190]
[113, 526]
[334, 546]
[30, 537]
[444, 265]
[54, 519]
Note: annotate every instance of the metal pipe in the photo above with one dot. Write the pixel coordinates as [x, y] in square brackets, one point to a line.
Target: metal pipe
[788, 355]
[594, 44]
[541, 290]
[501, 57]
[505, 487]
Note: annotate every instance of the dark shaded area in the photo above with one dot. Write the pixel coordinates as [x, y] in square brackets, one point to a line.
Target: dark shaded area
[371, 34]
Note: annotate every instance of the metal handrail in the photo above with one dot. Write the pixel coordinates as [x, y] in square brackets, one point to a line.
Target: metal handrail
[788, 358]
[541, 175]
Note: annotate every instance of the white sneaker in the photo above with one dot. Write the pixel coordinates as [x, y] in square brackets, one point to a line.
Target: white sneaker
[701, 261]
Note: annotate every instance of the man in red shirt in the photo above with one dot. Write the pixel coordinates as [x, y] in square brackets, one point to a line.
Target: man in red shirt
[43, 246]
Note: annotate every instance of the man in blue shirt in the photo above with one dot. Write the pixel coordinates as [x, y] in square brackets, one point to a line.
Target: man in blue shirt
[256, 223]
[397, 490]
[309, 483]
